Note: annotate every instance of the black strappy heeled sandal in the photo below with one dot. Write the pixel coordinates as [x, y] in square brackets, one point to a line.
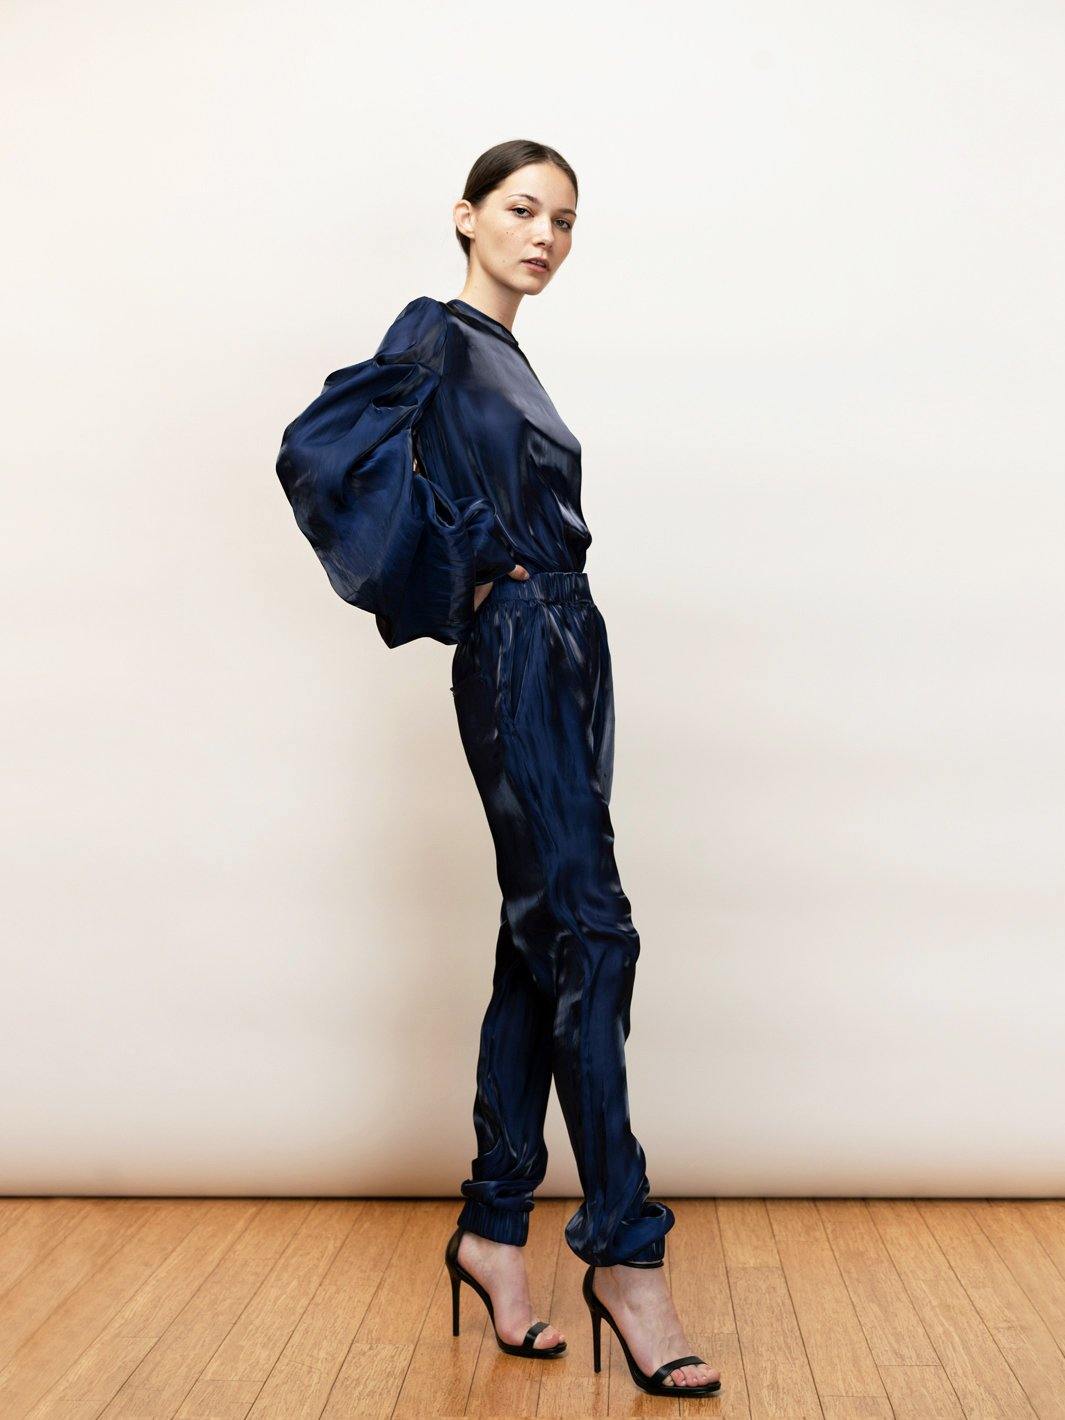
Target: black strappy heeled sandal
[459, 1275]
[653, 1385]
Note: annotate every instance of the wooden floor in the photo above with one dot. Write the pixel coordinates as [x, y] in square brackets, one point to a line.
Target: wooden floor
[847, 1309]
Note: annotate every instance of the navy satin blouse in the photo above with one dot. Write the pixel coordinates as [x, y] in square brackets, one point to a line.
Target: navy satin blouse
[436, 465]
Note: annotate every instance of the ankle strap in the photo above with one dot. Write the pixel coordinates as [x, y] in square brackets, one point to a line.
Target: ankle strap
[659, 1262]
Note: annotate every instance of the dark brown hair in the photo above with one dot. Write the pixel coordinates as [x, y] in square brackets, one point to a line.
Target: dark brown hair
[496, 164]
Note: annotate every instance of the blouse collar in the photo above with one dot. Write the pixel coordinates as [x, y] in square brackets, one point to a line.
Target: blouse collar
[482, 318]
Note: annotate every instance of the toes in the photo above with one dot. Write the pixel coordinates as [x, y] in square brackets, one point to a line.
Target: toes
[682, 1376]
[550, 1336]
[692, 1375]
[701, 1375]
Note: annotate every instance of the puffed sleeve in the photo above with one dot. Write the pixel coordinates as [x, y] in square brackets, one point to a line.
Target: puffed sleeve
[392, 541]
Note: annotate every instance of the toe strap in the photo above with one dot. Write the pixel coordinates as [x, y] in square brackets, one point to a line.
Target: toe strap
[534, 1331]
[663, 1371]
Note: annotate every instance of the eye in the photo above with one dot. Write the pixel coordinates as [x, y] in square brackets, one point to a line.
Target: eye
[567, 225]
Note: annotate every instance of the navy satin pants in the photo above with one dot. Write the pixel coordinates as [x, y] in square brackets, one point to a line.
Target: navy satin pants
[535, 706]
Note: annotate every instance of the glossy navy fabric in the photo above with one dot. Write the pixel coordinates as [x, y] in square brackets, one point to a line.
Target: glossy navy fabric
[498, 479]
[534, 697]
[498, 482]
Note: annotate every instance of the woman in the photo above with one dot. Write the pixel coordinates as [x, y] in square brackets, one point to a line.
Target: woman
[441, 492]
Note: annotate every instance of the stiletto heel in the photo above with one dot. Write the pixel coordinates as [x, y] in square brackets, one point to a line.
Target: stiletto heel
[458, 1275]
[655, 1384]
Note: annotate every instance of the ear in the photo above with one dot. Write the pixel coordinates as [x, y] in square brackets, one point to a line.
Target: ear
[463, 215]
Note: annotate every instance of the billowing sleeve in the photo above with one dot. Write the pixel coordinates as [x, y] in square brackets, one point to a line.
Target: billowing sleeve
[392, 541]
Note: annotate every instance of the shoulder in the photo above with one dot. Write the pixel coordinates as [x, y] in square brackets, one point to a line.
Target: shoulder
[418, 332]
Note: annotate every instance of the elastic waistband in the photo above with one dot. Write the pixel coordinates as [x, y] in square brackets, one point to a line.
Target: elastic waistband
[543, 587]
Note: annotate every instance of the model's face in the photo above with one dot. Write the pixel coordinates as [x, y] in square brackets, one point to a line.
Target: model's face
[529, 215]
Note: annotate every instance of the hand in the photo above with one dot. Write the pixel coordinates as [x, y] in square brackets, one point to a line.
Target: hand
[482, 589]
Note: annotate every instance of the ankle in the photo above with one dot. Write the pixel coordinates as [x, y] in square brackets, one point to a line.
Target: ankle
[487, 1248]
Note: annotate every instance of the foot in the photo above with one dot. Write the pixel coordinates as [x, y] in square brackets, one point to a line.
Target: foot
[639, 1300]
[500, 1269]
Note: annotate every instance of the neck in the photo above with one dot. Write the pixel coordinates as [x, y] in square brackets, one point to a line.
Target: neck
[491, 298]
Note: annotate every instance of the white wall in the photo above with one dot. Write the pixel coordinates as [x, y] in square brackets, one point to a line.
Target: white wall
[810, 336]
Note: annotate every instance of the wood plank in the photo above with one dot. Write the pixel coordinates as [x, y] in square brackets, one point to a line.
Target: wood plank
[95, 1233]
[836, 1348]
[293, 1309]
[699, 1280]
[301, 1383]
[161, 1381]
[79, 1319]
[39, 1225]
[229, 1385]
[103, 1367]
[13, 1210]
[746, 1233]
[891, 1325]
[780, 1383]
[973, 1362]
[856, 1407]
[372, 1377]
[921, 1393]
[1046, 1218]
[1028, 1260]
[1022, 1336]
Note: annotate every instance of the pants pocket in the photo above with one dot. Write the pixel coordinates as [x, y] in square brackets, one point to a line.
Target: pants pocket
[515, 661]
[473, 700]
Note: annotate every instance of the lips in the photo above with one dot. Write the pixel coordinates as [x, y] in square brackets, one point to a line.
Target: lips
[536, 261]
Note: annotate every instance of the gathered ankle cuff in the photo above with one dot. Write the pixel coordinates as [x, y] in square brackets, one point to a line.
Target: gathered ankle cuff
[499, 1224]
[653, 1255]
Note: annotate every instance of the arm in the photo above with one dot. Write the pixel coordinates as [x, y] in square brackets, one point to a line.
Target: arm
[392, 541]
